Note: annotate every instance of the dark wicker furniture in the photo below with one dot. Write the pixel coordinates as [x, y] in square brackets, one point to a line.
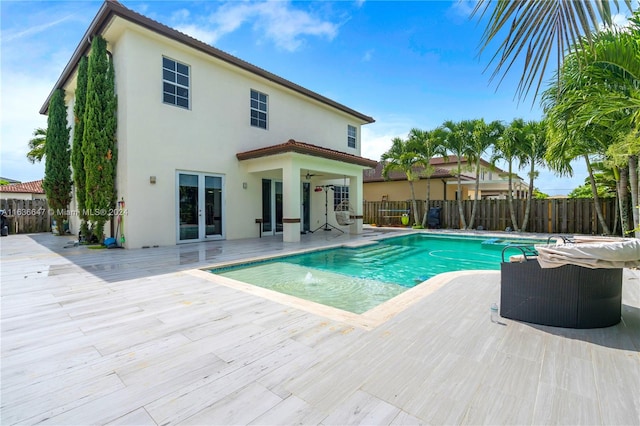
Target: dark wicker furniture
[568, 296]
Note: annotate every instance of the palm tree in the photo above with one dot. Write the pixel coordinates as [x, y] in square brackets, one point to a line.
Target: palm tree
[36, 145]
[458, 138]
[596, 101]
[536, 30]
[403, 157]
[429, 144]
[484, 137]
[508, 148]
[532, 154]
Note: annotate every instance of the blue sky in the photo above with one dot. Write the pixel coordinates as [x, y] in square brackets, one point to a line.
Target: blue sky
[407, 64]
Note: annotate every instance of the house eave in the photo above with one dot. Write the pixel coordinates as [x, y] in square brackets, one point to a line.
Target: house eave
[306, 149]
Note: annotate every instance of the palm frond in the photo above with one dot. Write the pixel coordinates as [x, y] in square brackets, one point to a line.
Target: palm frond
[537, 29]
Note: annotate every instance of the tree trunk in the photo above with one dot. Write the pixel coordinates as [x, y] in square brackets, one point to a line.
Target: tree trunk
[414, 205]
[527, 210]
[426, 204]
[596, 199]
[460, 210]
[514, 220]
[475, 197]
[634, 172]
[623, 200]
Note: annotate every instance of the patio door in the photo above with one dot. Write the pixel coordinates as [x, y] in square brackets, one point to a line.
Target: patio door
[200, 207]
[271, 206]
[272, 197]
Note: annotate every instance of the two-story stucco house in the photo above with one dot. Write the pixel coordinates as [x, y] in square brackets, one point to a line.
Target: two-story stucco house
[208, 143]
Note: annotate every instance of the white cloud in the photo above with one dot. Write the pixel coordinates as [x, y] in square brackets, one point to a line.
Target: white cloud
[278, 21]
[8, 36]
[20, 103]
[199, 33]
[460, 11]
[376, 137]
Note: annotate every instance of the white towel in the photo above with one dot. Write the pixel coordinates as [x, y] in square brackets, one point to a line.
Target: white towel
[618, 254]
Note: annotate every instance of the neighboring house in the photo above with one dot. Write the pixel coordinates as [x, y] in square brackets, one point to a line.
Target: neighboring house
[23, 191]
[9, 180]
[444, 183]
[209, 144]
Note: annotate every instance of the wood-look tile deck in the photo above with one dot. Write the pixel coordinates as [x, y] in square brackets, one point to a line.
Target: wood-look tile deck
[132, 337]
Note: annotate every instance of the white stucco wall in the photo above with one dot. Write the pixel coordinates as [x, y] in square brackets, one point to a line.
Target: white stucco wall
[156, 139]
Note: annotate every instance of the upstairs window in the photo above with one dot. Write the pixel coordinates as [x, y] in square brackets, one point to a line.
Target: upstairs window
[352, 136]
[258, 109]
[175, 83]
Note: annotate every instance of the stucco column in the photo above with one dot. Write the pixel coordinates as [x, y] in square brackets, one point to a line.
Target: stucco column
[355, 200]
[291, 203]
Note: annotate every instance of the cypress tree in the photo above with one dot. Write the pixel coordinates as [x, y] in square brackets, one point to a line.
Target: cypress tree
[57, 171]
[99, 137]
[77, 157]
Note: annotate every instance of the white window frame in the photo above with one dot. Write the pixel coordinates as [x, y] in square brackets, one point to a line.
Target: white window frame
[259, 107]
[340, 194]
[352, 136]
[180, 83]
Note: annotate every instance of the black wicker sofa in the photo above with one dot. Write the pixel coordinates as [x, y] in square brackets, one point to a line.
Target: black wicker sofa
[568, 296]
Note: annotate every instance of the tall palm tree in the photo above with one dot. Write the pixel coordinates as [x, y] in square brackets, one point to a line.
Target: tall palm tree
[508, 148]
[458, 139]
[429, 144]
[36, 145]
[536, 31]
[484, 137]
[402, 157]
[532, 154]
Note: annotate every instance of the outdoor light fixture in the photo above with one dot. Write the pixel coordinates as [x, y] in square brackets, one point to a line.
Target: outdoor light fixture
[244, 185]
[152, 180]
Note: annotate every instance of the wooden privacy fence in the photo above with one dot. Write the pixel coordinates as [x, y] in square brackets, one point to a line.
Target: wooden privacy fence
[554, 216]
[27, 216]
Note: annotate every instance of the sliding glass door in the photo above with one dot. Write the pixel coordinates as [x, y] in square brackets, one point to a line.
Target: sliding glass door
[200, 206]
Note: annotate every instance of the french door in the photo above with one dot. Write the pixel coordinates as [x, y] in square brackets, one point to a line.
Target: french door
[200, 206]
[272, 206]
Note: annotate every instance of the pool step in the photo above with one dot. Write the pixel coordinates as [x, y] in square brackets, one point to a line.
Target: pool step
[383, 253]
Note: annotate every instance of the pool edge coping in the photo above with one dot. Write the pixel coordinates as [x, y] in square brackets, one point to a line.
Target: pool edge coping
[368, 320]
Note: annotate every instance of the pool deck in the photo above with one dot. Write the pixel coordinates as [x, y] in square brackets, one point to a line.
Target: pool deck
[139, 337]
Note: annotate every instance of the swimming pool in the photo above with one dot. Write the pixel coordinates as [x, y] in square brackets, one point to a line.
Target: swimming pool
[359, 279]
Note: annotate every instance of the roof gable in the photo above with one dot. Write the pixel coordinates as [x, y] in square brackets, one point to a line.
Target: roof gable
[112, 9]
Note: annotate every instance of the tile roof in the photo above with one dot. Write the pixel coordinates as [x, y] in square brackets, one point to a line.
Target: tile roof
[34, 187]
[375, 174]
[112, 8]
[306, 149]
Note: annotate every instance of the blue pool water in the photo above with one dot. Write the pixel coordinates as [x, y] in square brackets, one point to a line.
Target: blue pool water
[357, 279]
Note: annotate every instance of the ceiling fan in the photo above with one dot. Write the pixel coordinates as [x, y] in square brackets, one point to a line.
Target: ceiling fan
[309, 175]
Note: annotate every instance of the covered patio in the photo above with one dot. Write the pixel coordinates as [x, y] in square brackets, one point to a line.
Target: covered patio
[134, 337]
[295, 164]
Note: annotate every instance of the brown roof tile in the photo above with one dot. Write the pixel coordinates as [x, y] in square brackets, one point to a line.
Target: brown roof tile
[306, 149]
[375, 174]
[34, 187]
